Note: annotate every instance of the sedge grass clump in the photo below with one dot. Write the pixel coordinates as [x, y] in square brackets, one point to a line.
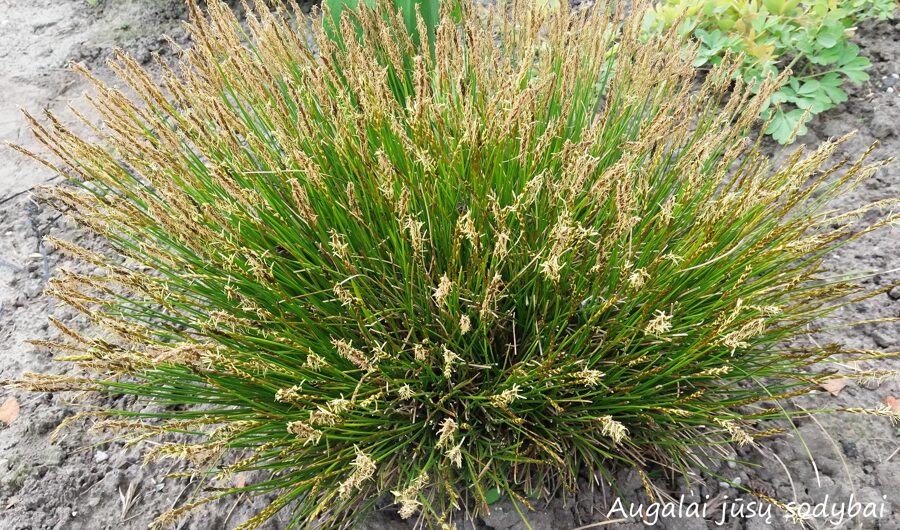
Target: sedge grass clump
[533, 250]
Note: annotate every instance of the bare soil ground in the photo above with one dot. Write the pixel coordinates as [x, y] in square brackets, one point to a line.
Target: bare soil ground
[78, 483]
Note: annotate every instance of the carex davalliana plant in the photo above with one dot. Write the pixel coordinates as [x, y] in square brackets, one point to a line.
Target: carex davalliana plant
[419, 275]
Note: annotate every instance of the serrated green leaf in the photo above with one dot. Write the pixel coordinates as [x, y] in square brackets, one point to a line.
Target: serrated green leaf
[830, 35]
[835, 94]
[779, 97]
[856, 74]
[809, 87]
[778, 128]
[831, 79]
[826, 55]
[783, 125]
[825, 40]
[857, 62]
[759, 24]
[818, 102]
[848, 53]
[774, 6]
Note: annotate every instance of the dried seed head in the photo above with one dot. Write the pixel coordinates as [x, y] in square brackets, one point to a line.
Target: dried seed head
[454, 455]
[674, 258]
[315, 362]
[637, 278]
[197, 454]
[660, 324]
[446, 433]
[408, 497]
[307, 213]
[405, 392]
[505, 398]
[409, 504]
[551, 267]
[346, 350]
[738, 435]
[304, 432]
[738, 337]
[675, 412]
[589, 378]
[363, 470]
[339, 245]
[371, 400]
[419, 352]
[186, 354]
[450, 358]
[344, 296]
[442, 290]
[52, 383]
[288, 395]
[490, 297]
[613, 429]
[501, 246]
[884, 410]
[715, 372]
[353, 202]
[322, 417]
[465, 324]
[416, 234]
[380, 353]
[339, 405]
[466, 227]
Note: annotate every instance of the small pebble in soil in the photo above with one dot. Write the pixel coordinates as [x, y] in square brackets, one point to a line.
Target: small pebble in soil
[34, 291]
[54, 456]
[882, 126]
[101, 456]
[881, 340]
[736, 481]
[849, 449]
[889, 81]
[894, 293]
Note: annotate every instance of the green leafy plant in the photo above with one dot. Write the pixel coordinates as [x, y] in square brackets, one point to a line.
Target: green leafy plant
[810, 38]
[537, 250]
[412, 11]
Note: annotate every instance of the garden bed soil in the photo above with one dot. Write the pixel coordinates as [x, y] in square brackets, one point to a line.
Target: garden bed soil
[80, 484]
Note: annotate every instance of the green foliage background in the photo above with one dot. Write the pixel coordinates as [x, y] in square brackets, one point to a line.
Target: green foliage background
[811, 38]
